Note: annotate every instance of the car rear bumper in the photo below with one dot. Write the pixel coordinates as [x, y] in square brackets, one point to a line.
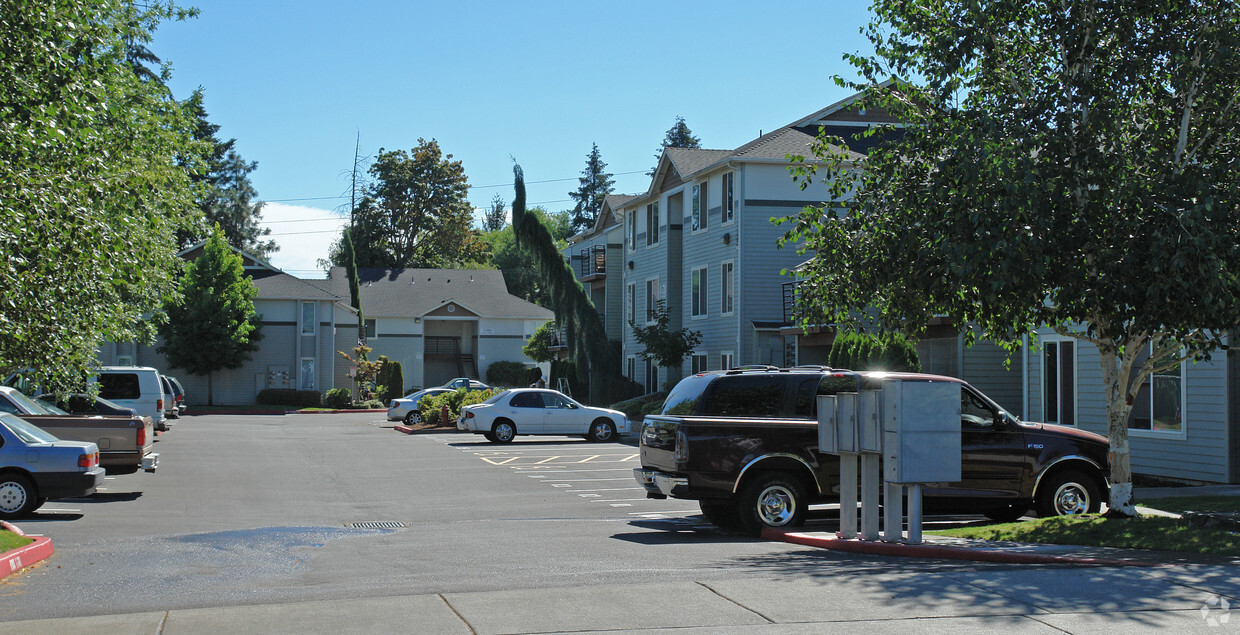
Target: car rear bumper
[661, 485]
[69, 484]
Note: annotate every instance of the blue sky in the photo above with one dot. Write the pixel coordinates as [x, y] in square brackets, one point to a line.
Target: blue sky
[295, 83]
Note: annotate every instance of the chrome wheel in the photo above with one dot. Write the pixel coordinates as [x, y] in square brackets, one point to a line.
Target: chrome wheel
[601, 430]
[413, 418]
[503, 432]
[776, 506]
[1068, 493]
[1071, 499]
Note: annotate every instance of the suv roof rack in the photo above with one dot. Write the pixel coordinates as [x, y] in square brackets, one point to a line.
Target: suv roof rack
[766, 367]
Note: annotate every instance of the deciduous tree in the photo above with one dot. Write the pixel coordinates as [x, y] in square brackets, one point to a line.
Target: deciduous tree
[212, 325]
[1068, 165]
[660, 344]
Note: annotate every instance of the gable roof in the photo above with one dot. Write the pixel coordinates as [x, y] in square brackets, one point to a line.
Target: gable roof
[417, 292]
[272, 284]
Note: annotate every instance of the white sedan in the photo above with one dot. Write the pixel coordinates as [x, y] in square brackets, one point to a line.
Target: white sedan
[406, 408]
[539, 411]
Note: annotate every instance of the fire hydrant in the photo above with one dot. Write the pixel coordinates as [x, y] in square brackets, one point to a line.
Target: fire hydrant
[443, 413]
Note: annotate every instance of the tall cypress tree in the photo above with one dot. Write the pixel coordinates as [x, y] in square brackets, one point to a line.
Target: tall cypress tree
[588, 346]
[355, 292]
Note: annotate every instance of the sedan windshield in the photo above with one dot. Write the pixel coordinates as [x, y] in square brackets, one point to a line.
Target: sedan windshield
[494, 398]
[25, 430]
[34, 407]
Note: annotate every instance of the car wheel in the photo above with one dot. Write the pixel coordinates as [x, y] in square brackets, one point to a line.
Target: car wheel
[503, 431]
[1006, 513]
[771, 499]
[413, 418]
[18, 496]
[1068, 493]
[488, 436]
[601, 430]
[721, 513]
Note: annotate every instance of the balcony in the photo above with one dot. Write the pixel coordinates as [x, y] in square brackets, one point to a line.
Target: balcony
[592, 263]
[792, 312]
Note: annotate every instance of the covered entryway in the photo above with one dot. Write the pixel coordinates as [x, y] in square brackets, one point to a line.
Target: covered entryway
[451, 345]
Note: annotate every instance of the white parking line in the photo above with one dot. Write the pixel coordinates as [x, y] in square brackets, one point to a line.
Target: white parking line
[618, 500]
[612, 489]
[544, 470]
[589, 480]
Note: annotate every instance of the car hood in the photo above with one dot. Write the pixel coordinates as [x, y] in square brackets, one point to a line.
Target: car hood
[1055, 429]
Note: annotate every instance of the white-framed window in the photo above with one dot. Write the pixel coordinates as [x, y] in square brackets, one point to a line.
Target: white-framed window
[307, 318]
[124, 360]
[307, 374]
[652, 296]
[728, 200]
[727, 287]
[1059, 382]
[631, 217]
[1159, 406]
[632, 301]
[697, 364]
[652, 377]
[652, 223]
[700, 206]
[370, 327]
[631, 368]
[698, 290]
[727, 360]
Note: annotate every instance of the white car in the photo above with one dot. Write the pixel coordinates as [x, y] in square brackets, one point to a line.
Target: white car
[406, 408]
[539, 411]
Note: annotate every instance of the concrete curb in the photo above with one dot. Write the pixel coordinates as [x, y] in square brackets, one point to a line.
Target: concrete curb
[404, 429]
[17, 559]
[941, 552]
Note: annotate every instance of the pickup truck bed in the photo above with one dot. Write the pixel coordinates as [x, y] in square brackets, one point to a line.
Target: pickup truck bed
[126, 444]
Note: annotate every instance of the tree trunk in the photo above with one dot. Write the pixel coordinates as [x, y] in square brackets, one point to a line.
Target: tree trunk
[1118, 408]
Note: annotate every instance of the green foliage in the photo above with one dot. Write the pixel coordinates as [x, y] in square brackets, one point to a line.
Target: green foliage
[338, 399]
[367, 372]
[509, 374]
[94, 183]
[518, 264]
[678, 136]
[1063, 165]
[431, 407]
[890, 352]
[392, 380]
[667, 348]
[223, 189]
[539, 346]
[355, 293]
[415, 213]
[212, 326]
[496, 216]
[594, 185]
[587, 342]
[638, 407]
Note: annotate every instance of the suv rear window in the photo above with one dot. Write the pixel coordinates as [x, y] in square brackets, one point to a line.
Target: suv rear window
[684, 398]
[119, 386]
[759, 395]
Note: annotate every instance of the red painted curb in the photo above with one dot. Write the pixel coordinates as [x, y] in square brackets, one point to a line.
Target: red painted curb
[940, 552]
[13, 561]
[403, 429]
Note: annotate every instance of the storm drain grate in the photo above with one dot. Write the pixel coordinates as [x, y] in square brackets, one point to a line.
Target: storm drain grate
[376, 524]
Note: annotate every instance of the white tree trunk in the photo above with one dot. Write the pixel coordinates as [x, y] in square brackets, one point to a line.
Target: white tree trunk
[1115, 373]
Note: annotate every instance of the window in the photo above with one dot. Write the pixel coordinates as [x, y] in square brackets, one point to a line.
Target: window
[119, 386]
[307, 373]
[727, 288]
[701, 210]
[1059, 382]
[652, 377]
[631, 368]
[632, 300]
[652, 223]
[370, 328]
[527, 400]
[727, 360]
[747, 396]
[729, 208]
[631, 217]
[1159, 406]
[9, 407]
[307, 318]
[698, 364]
[975, 413]
[652, 296]
[699, 292]
[124, 360]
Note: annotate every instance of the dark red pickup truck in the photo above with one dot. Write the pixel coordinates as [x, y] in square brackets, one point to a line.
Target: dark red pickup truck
[744, 444]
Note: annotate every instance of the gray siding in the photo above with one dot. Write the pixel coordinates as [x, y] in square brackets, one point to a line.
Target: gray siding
[983, 365]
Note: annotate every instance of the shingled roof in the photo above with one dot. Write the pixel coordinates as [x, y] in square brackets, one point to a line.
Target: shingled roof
[277, 285]
[416, 292]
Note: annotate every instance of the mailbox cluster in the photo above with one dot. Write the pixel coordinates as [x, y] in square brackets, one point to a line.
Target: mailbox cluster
[902, 432]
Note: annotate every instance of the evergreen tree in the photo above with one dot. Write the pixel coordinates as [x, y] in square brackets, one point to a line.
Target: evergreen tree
[594, 186]
[588, 346]
[355, 293]
[225, 193]
[496, 216]
[518, 265]
[678, 136]
[212, 325]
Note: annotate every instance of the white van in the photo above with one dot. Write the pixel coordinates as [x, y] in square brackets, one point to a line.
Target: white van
[137, 387]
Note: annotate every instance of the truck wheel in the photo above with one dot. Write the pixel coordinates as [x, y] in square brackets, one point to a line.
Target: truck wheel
[771, 499]
[721, 513]
[18, 496]
[503, 431]
[601, 430]
[1068, 493]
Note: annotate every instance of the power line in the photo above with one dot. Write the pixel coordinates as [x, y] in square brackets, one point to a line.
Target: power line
[472, 187]
[341, 219]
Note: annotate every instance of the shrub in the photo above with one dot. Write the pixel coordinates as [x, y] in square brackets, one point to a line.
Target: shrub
[373, 404]
[891, 352]
[309, 399]
[430, 407]
[277, 397]
[508, 373]
[394, 381]
[637, 408]
[338, 398]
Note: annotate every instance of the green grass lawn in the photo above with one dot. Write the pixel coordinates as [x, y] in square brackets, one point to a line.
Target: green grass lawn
[10, 540]
[1183, 504]
[1147, 532]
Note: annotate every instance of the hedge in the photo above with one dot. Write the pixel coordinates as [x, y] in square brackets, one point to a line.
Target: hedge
[289, 397]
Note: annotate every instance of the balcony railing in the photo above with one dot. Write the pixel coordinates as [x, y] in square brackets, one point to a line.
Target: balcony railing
[792, 312]
[593, 260]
